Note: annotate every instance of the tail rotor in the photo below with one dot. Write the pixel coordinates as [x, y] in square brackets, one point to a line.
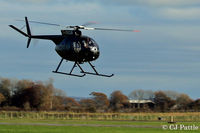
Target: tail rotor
[28, 32]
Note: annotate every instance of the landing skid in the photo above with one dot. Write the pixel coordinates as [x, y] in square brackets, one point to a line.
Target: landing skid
[69, 74]
[96, 73]
[103, 75]
[82, 71]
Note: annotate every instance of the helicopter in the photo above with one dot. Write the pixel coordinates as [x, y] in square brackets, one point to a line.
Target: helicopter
[72, 46]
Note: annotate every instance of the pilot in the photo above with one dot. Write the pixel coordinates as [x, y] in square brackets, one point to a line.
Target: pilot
[85, 44]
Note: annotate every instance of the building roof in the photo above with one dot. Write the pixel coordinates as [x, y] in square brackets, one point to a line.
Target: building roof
[141, 101]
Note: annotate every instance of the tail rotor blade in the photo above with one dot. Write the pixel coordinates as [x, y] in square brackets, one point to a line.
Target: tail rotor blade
[28, 27]
[28, 42]
[28, 32]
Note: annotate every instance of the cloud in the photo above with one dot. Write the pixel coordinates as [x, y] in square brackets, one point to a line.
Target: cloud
[29, 1]
[148, 2]
[64, 14]
[180, 13]
[167, 2]
[121, 2]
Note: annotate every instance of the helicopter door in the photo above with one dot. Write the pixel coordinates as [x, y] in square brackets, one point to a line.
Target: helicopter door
[77, 46]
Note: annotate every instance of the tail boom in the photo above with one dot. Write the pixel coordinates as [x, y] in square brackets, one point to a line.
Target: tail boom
[55, 38]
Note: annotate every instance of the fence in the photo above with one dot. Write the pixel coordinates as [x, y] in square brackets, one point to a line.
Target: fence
[186, 117]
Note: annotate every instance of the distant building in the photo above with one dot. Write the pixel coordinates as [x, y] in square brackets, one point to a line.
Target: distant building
[142, 104]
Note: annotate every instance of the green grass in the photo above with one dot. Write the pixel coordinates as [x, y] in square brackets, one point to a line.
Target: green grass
[69, 129]
[85, 129]
[99, 122]
[73, 129]
[56, 122]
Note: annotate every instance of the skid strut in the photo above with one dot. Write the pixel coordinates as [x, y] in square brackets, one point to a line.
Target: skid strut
[96, 73]
[70, 71]
[82, 71]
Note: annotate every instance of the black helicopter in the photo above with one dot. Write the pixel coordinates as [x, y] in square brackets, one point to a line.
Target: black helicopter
[71, 46]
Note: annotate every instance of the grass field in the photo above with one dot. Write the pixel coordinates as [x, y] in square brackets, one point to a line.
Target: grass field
[71, 129]
[63, 122]
[88, 126]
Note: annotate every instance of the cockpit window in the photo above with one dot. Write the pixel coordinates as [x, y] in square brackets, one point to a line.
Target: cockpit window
[88, 42]
[84, 42]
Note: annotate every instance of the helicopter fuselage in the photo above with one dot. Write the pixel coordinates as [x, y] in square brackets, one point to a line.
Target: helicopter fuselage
[71, 46]
[80, 49]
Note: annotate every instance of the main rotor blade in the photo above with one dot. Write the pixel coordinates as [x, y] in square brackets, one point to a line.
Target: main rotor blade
[108, 29]
[41, 23]
[83, 26]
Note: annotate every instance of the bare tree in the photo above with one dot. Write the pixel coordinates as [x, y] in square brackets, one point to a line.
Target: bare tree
[140, 94]
[71, 104]
[163, 102]
[2, 98]
[35, 94]
[88, 105]
[20, 95]
[137, 94]
[5, 89]
[195, 105]
[172, 94]
[183, 101]
[118, 100]
[149, 94]
[58, 103]
[101, 100]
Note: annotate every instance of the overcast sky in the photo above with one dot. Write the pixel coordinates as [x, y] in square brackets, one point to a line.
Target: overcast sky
[165, 55]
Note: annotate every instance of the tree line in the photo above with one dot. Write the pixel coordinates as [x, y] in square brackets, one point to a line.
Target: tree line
[28, 95]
